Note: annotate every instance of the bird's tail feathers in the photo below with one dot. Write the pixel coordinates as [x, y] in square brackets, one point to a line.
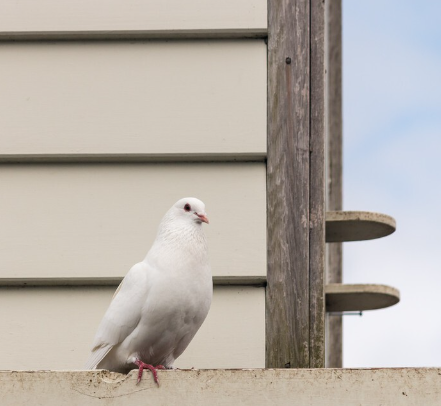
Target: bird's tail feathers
[97, 355]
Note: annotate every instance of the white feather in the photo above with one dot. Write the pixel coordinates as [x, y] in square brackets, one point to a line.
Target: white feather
[162, 301]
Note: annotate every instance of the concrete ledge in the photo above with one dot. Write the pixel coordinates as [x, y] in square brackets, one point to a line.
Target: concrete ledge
[344, 226]
[342, 297]
[300, 387]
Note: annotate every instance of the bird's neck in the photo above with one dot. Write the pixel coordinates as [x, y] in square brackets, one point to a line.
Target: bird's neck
[179, 242]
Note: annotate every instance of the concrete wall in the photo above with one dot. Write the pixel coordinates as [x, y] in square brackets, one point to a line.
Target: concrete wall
[319, 387]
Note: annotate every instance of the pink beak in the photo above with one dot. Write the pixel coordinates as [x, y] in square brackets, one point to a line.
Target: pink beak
[203, 218]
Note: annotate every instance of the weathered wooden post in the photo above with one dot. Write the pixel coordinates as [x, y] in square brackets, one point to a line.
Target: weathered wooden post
[334, 190]
[295, 306]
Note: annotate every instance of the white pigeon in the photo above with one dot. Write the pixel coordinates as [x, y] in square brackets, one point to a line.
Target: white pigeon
[162, 301]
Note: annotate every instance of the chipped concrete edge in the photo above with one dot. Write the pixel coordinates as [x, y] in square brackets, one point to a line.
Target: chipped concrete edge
[312, 387]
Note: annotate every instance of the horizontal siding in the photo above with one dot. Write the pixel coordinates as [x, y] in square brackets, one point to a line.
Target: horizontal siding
[97, 220]
[233, 335]
[138, 99]
[62, 17]
[53, 328]
[219, 280]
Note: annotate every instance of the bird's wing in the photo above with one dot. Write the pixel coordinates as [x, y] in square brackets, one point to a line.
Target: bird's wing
[123, 314]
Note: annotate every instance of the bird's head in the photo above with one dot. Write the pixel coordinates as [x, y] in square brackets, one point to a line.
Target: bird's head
[191, 209]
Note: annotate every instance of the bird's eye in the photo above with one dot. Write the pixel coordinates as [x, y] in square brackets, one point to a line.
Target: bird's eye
[187, 207]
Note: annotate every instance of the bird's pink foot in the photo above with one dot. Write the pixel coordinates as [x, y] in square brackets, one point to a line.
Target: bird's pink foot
[153, 369]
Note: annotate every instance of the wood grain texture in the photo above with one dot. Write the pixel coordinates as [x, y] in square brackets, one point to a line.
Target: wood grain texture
[98, 220]
[334, 324]
[256, 387]
[289, 172]
[53, 328]
[287, 304]
[29, 19]
[334, 106]
[317, 190]
[128, 101]
[334, 198]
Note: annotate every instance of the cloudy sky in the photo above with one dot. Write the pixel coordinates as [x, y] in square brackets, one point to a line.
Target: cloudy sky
[392, 165]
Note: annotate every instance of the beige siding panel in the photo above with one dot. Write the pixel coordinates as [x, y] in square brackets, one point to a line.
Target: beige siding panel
[97, 220]
[55, 17]
[53, 328]
[136, 98]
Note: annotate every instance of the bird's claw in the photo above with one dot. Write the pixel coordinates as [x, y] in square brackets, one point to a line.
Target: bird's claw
[141, 365]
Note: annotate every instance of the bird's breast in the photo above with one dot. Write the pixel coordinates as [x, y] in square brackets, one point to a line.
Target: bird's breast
[180, 295]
